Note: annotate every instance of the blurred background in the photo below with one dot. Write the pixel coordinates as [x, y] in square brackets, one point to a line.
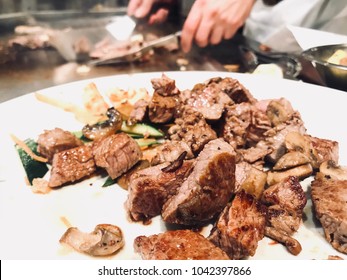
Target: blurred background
[15, 6]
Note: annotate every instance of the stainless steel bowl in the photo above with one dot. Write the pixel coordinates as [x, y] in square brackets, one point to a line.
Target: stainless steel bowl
[334, 75]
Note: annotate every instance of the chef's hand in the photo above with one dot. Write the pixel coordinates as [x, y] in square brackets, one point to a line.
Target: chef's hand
[210, 21]
[142, 8]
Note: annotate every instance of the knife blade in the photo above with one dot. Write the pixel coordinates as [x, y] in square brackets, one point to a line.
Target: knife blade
[137, 54]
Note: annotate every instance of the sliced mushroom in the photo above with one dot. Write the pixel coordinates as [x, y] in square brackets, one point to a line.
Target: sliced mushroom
[330, 168]
[105, 240]
[301, 172]
[295, 141]
[279, 111]
[290, 160]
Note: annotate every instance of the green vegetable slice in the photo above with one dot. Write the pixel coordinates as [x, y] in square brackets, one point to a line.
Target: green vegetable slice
[142, 129]
[144, 142]
[33, 168]
[109, 181]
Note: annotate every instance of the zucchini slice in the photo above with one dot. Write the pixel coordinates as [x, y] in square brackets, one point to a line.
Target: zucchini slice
[142, 129]
[144, 142]
[33, 168]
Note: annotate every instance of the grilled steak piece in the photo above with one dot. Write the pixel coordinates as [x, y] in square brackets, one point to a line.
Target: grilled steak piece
[237, 120]
[234, 89]
[275, 138]
[324, 150]
[192, 129]
[240, 226]
[288, 194]
[165, 100]
[170, 151]
[138, 114]
[56, 140]
[286, 201]
[177, 245]
[208, 188]
[149, 189]
[116, 153]
[209, 99]
[244, 125]
[71, 165]
[329, 198]
[283, 220]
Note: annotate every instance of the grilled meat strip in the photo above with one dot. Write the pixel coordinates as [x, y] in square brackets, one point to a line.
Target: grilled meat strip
[150, 188]
[329, 198]
[177, 245]
[240, 226]
[71, 165]
[116, 153]
[56, 140]
[208, 188]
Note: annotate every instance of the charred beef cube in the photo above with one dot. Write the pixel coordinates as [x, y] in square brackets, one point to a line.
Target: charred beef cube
[177, 245]
[192, 129]
[207, 98]
[240, 226]
[237, 119]
[235, 90]
[288, 194]
[170, 151]
[286, 201]
[208, 188]
[56, 140]
[138, 114]
[329, 198]
[324, 150]
[165, 100]
[150, 188]
[71, 165]
[116, 153]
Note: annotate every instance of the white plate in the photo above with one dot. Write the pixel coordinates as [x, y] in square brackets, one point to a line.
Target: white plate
[31, 224]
